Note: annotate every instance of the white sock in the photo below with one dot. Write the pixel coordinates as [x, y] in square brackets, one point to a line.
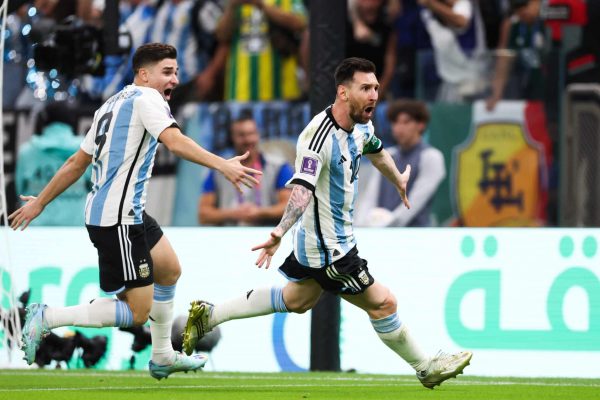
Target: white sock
[255, 302]
[161, 320]
[397, 337]
[98, 313]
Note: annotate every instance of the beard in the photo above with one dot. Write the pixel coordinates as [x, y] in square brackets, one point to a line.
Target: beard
[357, 114]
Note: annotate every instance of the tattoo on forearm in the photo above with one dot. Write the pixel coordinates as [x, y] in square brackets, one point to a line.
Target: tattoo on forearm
[296, 206]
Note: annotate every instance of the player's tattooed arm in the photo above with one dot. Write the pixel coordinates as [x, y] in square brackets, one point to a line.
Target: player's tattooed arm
[296, 206]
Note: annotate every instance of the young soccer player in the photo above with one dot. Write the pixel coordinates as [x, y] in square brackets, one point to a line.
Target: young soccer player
[137, 262]
[325, 255]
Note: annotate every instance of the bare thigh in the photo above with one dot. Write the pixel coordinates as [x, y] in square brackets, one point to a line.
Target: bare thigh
[166, 264]
[300, 297]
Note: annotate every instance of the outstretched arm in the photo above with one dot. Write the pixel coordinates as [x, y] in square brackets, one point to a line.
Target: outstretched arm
[186, 148]
[296, 206]
[385, 164]
[68, 174]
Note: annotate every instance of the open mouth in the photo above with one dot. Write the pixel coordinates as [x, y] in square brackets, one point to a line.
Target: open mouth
[168, 92]
[369, 109]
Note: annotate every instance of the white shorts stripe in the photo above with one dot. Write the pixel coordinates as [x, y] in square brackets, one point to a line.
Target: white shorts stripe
[123, 258]
[336, 277]
[129, 254]
[350, 282]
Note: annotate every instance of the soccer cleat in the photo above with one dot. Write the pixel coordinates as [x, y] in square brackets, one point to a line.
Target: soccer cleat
[33, 331]
[444, 366]
[182, 363]
[197, 324]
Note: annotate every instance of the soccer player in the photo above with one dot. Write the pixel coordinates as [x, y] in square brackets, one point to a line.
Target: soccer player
[325, 256]
[137, 262]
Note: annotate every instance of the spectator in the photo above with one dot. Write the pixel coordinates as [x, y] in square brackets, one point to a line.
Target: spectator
[261, 205]
[458, 40]
[369, 35]
[412, 39]
[186, 24]
[522, 43]
[43, 155]
[382, 205]
[263, 37]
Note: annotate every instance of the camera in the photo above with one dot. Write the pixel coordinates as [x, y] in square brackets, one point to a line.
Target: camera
[74, 48]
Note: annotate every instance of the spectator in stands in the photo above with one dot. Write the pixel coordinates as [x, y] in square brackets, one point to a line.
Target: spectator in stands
[369, 35]
[262, 205]
[42, 156]
[381, 204]
[522, 43]
[186, 24]
[413, 47]
[458, 40]
[264, 39]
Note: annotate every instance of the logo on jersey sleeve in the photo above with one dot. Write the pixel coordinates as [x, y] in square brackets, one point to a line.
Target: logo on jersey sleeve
[309, 166]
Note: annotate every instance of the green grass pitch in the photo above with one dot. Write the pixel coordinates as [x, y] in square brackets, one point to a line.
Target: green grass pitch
[90, 385]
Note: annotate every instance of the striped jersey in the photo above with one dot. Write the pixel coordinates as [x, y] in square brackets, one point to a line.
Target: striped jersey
[122, 141]
[327, 162]
[173, 25]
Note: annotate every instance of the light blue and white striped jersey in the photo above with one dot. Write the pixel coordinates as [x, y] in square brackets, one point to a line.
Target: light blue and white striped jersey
[173, 25]
[122, 140]
[327, 162]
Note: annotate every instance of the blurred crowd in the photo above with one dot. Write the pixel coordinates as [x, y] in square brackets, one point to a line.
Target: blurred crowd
[257, 50]
[454, 51]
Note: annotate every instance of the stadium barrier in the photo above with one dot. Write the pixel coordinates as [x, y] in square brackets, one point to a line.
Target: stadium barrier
[526, 301]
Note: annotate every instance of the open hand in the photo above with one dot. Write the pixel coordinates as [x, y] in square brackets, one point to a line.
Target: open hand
[268, 250]
[238, 174]
[27, 213]
[404, 177]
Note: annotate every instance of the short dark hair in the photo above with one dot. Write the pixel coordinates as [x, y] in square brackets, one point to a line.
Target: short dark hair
[416, 109]
[152, 53]
[345, 71]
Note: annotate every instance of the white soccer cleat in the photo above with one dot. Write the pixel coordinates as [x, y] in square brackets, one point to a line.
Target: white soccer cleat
[444, 366]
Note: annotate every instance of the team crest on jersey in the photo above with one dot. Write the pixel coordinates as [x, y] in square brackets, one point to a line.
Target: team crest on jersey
[364, 278]
[309, 166]
[144, 270]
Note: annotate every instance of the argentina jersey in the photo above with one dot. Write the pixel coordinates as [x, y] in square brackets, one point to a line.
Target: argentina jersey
[173, 25]
[122, 142]
[327, 162]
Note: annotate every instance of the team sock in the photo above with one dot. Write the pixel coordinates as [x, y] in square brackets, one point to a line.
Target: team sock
[396, 336]
[255, 302]
[161, 320]
[98, 313]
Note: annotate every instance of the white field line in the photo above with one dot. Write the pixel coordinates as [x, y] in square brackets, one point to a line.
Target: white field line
[326, 382]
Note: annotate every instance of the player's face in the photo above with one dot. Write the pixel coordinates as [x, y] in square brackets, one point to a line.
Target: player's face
[363, 93]
[245, 136]
[162, 76]
[406, 130]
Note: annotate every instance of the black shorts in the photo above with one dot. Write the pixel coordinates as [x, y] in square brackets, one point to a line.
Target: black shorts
[124, 254]
[348, 275]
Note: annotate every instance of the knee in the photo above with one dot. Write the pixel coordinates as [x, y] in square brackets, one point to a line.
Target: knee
[174, 272]
[300, 306]
[140, 316]
[386, 306]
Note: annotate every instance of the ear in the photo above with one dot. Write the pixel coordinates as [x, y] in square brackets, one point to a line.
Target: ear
[342, 92]
[143, 74]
